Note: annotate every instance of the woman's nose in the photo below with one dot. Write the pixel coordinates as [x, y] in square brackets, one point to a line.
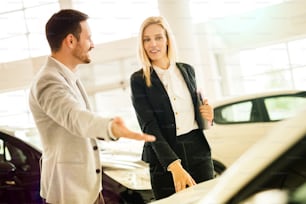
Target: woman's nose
[153, 43]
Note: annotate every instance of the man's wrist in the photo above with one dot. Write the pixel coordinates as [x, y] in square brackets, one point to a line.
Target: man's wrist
[110, 132]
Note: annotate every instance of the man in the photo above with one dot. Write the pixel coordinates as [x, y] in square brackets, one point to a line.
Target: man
[71, 169]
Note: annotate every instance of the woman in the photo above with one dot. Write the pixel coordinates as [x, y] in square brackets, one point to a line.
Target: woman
[164, 96]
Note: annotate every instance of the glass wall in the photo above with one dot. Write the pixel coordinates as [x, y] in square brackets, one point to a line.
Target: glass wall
[116, 19]
[202, 11]
[23, 23]
[278, 66]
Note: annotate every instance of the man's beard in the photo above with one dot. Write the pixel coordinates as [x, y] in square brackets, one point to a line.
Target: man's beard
[81, 55]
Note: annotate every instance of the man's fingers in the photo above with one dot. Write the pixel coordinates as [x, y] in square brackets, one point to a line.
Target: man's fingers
[148, 138]
[142, 136]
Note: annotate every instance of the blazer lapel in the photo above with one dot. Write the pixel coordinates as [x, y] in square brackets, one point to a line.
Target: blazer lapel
[158, 94]
[190, 82]
[83, 93]
[187, 78]
[157, 82]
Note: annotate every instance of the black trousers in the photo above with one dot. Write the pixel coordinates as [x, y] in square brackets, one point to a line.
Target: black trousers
[195, 155]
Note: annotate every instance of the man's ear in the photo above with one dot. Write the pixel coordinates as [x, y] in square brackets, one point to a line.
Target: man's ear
[69, 41]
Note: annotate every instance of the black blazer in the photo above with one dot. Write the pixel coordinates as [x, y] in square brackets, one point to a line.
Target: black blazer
[155, 115]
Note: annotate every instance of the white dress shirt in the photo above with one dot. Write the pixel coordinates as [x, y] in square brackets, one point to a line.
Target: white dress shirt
[180, 98]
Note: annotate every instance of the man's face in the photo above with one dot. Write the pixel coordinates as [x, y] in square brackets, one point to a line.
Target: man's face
[84, 45]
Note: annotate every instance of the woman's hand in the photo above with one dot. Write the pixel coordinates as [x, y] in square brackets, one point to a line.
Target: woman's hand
[181, 177]
[207, 111]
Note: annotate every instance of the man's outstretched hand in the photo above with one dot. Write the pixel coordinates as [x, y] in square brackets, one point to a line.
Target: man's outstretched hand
[120, 130]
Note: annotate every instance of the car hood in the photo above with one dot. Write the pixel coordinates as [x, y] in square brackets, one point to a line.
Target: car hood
[126, 168]
[257, 158]
[190, 195]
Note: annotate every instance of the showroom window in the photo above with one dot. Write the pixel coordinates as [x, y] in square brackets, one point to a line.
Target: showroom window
[116, 19]
[278, 66]
[14, 109]
[23, 23]
[204, 10]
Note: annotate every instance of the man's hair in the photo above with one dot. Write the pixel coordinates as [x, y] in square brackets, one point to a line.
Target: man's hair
[62, 23]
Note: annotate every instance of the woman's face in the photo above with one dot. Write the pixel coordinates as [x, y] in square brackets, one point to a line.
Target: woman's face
[155, 43]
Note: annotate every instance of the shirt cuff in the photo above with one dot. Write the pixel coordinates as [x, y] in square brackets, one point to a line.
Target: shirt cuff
[109, 131]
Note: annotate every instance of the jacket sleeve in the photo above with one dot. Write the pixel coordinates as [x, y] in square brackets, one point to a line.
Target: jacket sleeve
[148, 121]
[53, 96]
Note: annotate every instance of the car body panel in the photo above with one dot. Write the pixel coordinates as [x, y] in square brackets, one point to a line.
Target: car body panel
[228, 149]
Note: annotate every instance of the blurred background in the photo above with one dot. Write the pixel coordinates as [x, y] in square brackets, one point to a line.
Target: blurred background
[236, 47]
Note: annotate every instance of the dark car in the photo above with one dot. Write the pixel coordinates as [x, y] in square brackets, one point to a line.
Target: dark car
[19, 171]
[20, 176]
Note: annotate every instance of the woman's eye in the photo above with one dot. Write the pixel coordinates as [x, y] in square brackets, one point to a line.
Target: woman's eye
[159, 38]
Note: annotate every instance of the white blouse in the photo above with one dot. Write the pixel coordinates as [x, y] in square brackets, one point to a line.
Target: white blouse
[180, 98]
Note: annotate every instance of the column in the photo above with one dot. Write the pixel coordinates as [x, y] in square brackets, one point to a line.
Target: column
[178, 16]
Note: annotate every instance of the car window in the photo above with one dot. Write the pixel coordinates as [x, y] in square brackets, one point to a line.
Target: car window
[283, 107]
[235, 113]
[16, 156]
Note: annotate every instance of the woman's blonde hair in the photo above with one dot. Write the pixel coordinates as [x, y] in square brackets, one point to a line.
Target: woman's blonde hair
[142, 55]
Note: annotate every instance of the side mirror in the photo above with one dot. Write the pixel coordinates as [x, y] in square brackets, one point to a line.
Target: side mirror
[7, 170]
[6, 166]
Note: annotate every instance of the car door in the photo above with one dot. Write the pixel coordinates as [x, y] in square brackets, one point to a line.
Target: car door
[237, 126]
[241, 124]
[20, 174]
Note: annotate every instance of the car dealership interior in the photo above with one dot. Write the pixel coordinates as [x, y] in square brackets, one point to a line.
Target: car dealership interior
[244, 49]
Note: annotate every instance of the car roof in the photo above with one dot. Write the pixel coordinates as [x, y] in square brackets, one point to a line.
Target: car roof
[11, 133]
[234, 99]
[281, 138]
[6, 131]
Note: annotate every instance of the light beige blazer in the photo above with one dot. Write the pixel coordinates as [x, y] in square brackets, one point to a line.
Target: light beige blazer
[71, 170]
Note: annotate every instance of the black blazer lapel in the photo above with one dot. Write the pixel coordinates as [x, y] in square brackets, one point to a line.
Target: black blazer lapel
[189, 77]
[190, 81]
[156, 82]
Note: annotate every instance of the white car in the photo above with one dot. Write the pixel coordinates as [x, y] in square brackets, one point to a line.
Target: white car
[241, 121]
[236, 128]
[267, 173]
